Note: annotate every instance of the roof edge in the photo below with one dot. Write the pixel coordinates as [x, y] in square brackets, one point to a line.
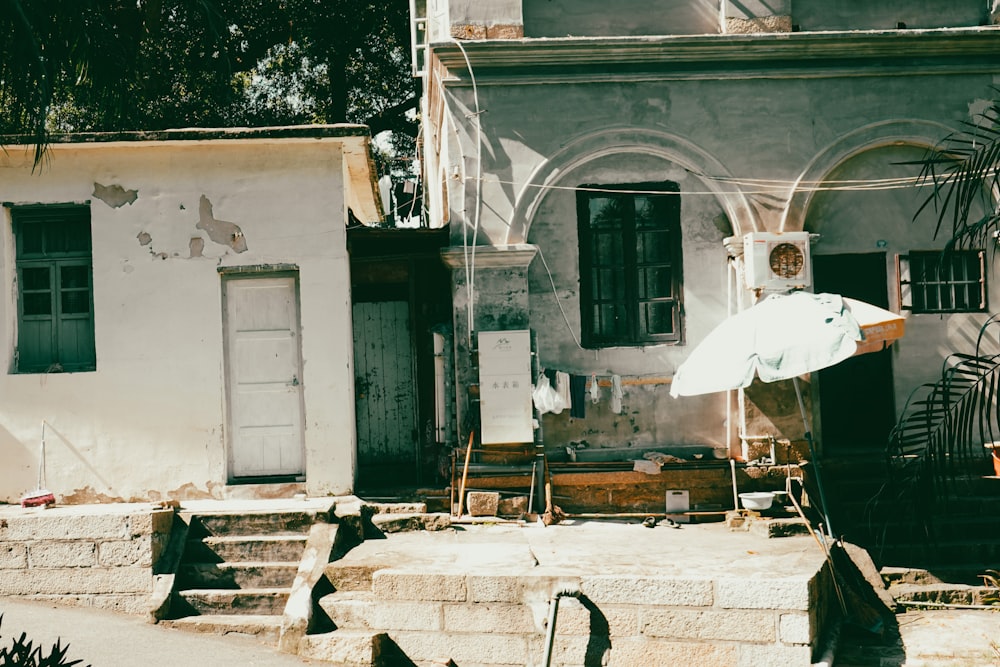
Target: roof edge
[334, 131]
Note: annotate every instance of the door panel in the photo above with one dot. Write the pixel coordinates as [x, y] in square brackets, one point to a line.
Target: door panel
[857, 402]
[385, 390]
[263, 362]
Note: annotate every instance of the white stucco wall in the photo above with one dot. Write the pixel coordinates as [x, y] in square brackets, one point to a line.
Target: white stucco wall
[149, 423]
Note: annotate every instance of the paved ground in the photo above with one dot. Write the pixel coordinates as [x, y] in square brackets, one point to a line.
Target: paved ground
[107, 639]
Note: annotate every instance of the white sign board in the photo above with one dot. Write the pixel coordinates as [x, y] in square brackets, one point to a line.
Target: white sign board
[505, 387]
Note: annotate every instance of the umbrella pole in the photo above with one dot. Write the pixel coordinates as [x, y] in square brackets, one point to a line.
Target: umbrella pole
[812, 455]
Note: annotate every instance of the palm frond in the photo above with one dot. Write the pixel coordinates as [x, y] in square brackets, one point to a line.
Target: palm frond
[963, 171]
[937, 445]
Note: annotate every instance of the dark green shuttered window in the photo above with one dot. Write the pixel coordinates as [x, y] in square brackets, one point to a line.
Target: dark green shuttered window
[55, 329]
[630, 264]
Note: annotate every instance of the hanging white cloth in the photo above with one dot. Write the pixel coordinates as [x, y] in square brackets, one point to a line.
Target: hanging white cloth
[616, 394]
[562, 388]
[595, 390]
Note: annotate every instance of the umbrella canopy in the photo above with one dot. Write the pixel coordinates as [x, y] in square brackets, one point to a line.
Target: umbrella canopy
[783, 336]
[879, 327]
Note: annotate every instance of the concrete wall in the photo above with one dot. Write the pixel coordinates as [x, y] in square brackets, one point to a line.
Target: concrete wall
[587, 18]
[582, 18]
[94, 559]
[149, 422]
[712, 132]
[887, 14]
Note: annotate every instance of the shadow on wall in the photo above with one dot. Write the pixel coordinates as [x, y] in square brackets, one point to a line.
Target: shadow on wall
[19, 472]
[56, 443]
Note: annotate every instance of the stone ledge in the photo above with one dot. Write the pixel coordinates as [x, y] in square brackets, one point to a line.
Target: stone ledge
[76, 581]
[406, 522]
[735, 625]
[640, 590]
[786, 594]
[402, 585]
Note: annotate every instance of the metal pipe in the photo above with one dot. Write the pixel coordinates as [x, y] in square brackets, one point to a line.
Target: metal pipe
[736, 496]
[813, 458]
[551, 630]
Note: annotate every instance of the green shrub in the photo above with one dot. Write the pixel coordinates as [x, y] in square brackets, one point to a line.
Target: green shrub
[24, 653]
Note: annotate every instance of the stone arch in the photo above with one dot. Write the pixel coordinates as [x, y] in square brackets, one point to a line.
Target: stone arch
[920, 133]
[628, 140]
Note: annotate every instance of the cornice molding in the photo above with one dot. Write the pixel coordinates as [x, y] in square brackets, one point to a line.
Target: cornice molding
[522, 55]
[517, 255]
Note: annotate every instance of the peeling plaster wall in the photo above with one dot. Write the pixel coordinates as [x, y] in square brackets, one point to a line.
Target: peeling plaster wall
[149, 422]
[549, 131]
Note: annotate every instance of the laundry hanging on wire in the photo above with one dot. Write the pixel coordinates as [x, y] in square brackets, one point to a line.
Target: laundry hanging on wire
[556, 391]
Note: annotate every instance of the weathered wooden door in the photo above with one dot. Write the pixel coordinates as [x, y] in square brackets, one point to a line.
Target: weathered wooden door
[857, 401]
[385, 391]
[263, 371]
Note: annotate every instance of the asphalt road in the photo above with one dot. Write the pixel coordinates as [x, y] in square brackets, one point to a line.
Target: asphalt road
[107, 639]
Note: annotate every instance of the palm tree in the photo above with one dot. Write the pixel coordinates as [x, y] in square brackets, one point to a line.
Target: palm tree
[45, 45]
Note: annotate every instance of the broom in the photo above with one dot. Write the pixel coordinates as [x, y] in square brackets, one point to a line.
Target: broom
[40, 496]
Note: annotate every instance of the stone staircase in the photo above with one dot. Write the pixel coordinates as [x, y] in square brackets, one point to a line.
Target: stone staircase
[956, 538]
[237, 570]
[938, 623]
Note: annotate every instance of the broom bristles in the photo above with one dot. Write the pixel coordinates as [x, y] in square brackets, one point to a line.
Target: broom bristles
[38, 498]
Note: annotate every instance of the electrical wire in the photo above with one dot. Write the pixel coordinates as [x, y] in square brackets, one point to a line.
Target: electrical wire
[555, 294]
[876, 185]
[470, 257]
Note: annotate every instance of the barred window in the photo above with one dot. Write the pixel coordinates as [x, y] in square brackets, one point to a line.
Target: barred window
[935, 281]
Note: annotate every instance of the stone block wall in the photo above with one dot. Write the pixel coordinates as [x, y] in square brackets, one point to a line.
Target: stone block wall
[502, 619]
[100, 556]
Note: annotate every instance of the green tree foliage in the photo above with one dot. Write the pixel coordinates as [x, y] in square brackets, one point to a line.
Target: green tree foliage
[112, 65]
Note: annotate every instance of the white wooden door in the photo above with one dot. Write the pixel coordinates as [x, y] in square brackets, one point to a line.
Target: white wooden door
[263, 371]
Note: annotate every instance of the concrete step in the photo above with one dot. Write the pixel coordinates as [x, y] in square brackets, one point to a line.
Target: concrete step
[399, 522]
[941, 528]
[245, 549]
[253, 601]
[292, 522]
[266, 628]
[942, 593]
[236, 575]
[950, 555]
[349, 648]
[349, 610]
[353, 576]
[909, 575]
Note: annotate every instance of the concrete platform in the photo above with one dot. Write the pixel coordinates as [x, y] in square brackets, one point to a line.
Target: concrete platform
[480, 595]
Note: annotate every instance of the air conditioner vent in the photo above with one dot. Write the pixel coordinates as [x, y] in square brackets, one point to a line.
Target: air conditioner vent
[775, 261]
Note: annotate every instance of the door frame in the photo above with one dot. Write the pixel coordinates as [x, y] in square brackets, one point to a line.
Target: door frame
[255, 272]
[878, 297]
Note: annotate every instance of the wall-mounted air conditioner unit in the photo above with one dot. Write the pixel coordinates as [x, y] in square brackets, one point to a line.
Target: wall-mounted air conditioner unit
[777, 261]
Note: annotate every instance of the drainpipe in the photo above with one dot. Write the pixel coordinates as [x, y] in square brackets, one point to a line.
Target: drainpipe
[553, 611]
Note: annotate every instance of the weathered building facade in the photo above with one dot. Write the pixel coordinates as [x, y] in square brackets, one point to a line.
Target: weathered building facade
[178, 313]
[600, 163]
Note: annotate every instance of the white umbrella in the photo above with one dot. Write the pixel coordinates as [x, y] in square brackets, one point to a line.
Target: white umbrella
[783, 337]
